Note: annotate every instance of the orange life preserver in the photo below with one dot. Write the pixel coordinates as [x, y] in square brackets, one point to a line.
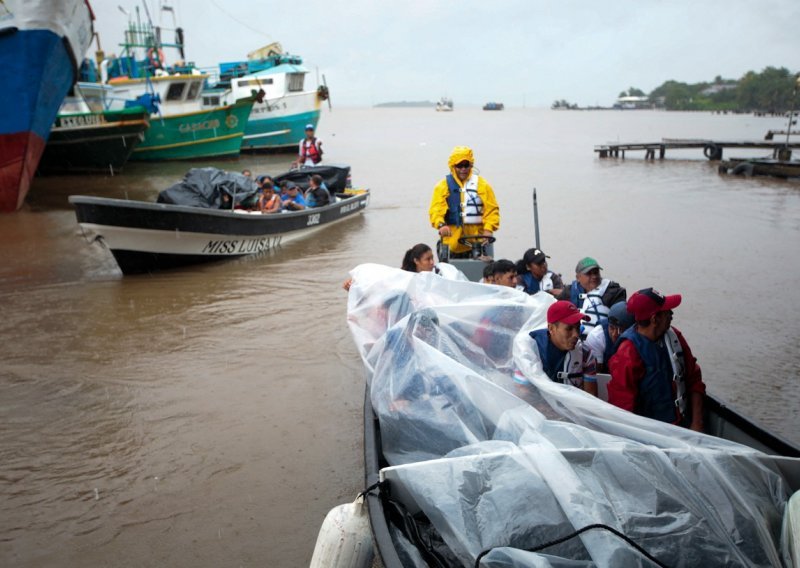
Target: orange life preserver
[155, 57]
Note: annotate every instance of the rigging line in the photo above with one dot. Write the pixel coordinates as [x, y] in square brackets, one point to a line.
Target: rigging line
[612, 530]
[241, 23]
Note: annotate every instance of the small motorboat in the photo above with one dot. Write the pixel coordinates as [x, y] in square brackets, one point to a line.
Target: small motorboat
[465, 466]
[145, 237]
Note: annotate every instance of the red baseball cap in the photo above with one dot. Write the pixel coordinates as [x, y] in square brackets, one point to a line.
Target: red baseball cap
[564, 312]
[644, 303]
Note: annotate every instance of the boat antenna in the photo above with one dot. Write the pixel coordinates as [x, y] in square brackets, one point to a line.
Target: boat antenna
[791, 111]
[535, 218]
[327, 91]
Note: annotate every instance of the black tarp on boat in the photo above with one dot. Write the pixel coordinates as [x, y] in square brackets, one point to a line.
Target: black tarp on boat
[334, 176]
[204, 187]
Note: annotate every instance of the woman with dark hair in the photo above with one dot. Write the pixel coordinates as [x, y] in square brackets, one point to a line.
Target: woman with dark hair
[418, 258]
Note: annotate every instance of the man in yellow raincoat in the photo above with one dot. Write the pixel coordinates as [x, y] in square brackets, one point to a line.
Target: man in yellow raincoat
[463, 203]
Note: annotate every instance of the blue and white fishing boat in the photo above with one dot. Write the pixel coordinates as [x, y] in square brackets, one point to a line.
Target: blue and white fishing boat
[42, 43]
[278, 122]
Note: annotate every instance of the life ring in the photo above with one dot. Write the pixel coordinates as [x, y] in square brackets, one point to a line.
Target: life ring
[155, 57]
[712, 152]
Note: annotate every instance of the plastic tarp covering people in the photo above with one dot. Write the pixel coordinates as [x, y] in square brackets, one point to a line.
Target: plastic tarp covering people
[204, 187]
[502, 466]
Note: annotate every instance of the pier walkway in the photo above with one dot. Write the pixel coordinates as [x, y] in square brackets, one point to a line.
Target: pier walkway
[712, 149]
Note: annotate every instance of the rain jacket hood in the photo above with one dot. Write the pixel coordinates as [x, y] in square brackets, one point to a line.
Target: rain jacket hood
[458, 155]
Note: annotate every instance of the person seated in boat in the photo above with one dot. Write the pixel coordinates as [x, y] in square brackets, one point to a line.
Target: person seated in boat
[293, 199]
[653, 372]
[504, 273]
[247, 173]
[419, 258]
[463, 204]
[565, 359]
[592, 294]
[603, 339]
[317, 194]
[533, 275]
[268, 200]
[487, 273]
[310, 149]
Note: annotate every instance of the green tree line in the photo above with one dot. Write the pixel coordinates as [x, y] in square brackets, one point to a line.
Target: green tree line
[772, 90]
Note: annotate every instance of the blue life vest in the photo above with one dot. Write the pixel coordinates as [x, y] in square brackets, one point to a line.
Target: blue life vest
[656, 398]
[560, 366]
[453, 215]
[611, 347]
[531, 285]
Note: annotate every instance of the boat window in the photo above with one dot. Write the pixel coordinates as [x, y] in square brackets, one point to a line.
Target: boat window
[194, 90]
[254, 82]
[175, 91]
[295, 81]
[211, 101]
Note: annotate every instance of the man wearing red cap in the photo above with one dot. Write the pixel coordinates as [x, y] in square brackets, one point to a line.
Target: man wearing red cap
[653, 372]
[564, 357]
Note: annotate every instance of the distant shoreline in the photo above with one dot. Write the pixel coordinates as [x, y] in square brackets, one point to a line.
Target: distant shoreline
[406, 104]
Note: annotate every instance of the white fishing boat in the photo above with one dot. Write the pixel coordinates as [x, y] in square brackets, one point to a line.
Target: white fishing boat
[190, 223]
[444, 104]
[288, 105]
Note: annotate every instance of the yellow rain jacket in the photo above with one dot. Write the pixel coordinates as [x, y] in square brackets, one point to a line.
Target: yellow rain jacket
[438, 208]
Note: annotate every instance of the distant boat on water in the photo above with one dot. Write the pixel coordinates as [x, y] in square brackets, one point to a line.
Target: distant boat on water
[279, 120]
[445, 104]
[42, 43]
[493, 106]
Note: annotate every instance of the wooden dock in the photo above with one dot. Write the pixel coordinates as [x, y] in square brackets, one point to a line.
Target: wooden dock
[712, 149]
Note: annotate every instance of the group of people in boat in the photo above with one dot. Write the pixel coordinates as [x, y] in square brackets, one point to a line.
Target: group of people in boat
[592, 326]
[288, 196]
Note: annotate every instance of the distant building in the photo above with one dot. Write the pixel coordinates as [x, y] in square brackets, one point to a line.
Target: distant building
[631, 102]
[718, 88]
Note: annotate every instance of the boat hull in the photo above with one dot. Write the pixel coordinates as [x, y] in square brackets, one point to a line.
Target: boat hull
[280, 124]
[203, 134]
[146, 237]
[721, 420]
[39, 41]
[93, 142]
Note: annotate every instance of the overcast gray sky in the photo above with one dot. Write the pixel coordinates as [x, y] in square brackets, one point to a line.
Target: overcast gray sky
[512, 51]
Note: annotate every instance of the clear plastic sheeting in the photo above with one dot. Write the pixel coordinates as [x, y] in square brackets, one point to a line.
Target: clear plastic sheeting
[496, 464]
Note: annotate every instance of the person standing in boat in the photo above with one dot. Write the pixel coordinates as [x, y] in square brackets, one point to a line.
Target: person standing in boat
[463, 204]
[535, 277]
[565, 359]
[603, 339]
[653, 372]
[310, 149]
[592, 294]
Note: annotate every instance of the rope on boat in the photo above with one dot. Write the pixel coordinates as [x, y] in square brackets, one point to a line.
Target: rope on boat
[612, 530]
[372, 487]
